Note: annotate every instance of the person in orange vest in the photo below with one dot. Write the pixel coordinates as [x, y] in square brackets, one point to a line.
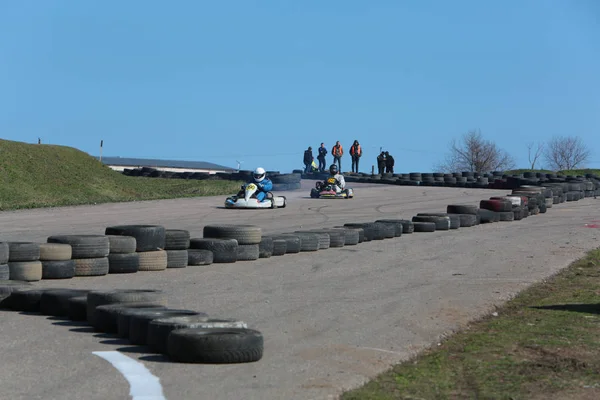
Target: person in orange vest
[337, 152]
[355, 153]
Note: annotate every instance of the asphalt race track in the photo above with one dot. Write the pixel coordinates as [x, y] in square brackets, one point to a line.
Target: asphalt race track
[331, 319]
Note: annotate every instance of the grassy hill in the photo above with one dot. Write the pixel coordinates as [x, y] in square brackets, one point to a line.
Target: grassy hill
[38, 175]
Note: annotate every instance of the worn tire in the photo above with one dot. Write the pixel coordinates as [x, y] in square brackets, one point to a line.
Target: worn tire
[159, 329]
[103, 297]
[279, 246]
[155, 260]
[56, 301]
[308, 241]
[91, 266]
[6, 289]
[224, 250]
[55, 252]
[23, 251]
[351, 236]
[215, 346]
[488, 216]
[119, 244]
[424, 226]
[396, 223]
[58, 269]
[371, 231]
[466, 220]
[106, 316]
[4, 272]
[147, 237]
[177, 258]
[359, 230]
[441, 223]
[84, 246]
[292, 243]
[26, 300]
[454, 218]
[138, 323]
[461, 209]
[496, 205]
[177, 239]
[27, 271]
[4, 249]
[77, 308]
[248, 252]
[323, 239]
[265, 247]
[123, 263]
[244, 234]
[337, 237]
[506, 216]
[200, 257]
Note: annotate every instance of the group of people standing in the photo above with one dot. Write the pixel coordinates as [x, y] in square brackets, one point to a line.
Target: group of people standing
[385, 162]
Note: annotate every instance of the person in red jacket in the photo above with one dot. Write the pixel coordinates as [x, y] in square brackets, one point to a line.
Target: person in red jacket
[355, 153]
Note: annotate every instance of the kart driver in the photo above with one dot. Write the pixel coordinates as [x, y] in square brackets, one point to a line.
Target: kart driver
[339, 183]
[261, 181]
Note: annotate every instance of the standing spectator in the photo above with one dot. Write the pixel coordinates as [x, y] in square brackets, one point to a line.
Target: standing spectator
[308, 159]
[321, 157]
[381, 163]
[355, 153]
[337, 151]
[389, 163]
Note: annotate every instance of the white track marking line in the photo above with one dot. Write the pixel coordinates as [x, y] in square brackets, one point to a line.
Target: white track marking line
[143, 385]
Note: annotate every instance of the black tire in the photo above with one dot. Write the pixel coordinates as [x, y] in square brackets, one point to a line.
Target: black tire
[466, 220]
[159, 329]
[352, 236]
[461, 209]
[106, 316]
[293, 243]
[84, 246]
[138, 323]
[454, 218]
[119, 244]
[215, 346]
[424, 226]
[265, 248]
[323, 239]
[224, 250]
[91, 266]
[244, 234]
[506, 216]
[55, 252]
[26, 300]
[488, 216]
[517, 214]
[77, 308]
[337, 237]
[200, 257]
[123, 263]
[27, 271]
[441, 223]
[4, 249]
[388, 231]
[56, 301]
[308, 241]
[4, 272]
[279, 247]
[177, 239]
[103, 297]
[177, 258]
[23, 251]
[248, 252]
[58, 269]
[147, 237]
[396, 223]
[6, 289]
[371, 231]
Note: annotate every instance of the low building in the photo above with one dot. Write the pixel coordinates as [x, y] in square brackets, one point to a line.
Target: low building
[122, 163]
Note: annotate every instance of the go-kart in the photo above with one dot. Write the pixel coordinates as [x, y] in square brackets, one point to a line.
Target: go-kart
[246, 198]
[324, 190]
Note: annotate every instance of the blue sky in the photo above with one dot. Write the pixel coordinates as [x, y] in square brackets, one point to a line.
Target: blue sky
[260, 81]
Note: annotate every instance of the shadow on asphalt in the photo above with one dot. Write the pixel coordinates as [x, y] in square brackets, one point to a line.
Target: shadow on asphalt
[582, 308]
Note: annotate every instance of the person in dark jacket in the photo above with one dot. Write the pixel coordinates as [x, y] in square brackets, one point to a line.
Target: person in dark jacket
[355, 153]
[321, 157]
[389, 163]
[381, 163]
[308, 159]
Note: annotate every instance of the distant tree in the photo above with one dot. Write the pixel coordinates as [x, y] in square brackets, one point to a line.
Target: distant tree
[474, 153]
[566, 152]
[534, 155]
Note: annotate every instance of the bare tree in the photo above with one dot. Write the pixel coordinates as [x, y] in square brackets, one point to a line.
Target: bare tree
[566, 152]
[474, 153]
[534, 155]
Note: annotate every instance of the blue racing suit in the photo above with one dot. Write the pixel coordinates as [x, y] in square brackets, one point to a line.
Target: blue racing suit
[263, 187]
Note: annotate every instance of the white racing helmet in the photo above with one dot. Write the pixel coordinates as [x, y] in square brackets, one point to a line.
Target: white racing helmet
[259, 174]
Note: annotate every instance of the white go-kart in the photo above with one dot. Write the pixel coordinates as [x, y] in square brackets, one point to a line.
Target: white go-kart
[247, 199]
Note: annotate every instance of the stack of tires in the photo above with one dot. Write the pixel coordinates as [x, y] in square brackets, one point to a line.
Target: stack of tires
[177, 243]
[88, 252]
[56, 261]
[24, 261]
[123, 259]
[285, 181]
[230, 243]
[150, 243]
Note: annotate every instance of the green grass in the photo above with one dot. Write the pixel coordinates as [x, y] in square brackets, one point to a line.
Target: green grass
[542, 345]
[33, 175]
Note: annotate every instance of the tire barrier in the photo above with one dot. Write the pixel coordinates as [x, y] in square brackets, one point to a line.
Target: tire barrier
[191, 336]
